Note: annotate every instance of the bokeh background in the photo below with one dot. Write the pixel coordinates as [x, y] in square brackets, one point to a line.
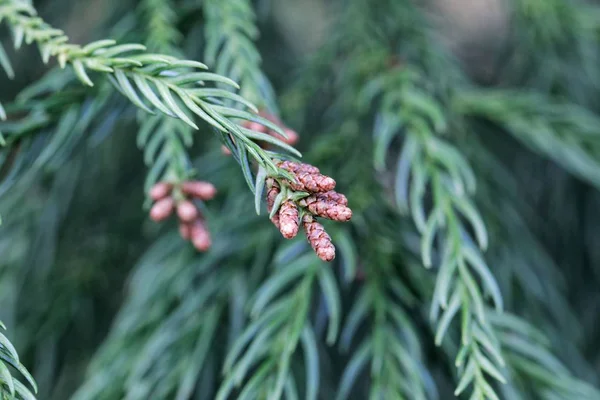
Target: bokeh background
[88, 282]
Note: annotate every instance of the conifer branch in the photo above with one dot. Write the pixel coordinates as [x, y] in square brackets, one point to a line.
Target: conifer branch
[11, 387]
[555, 48]
[171, 345]
[230, 31]
[164, 139]
[167, 84]
[429, 162]
[259, 363]
[533, 365]
[391, 349]
[563, 132]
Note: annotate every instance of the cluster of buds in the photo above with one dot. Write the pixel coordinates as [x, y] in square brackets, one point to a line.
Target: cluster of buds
[169, 197]
[320, 200]
[291, 139]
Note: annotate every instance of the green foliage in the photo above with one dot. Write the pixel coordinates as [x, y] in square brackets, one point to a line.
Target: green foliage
[491, 188]
[230, 31]
[12, 388]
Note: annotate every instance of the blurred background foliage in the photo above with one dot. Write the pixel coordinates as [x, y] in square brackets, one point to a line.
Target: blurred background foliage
[390, 97]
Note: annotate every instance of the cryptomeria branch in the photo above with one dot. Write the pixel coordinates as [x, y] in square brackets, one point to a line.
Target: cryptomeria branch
[10, 387]
[391, 347]
[260, 360]
[428, 162]
[230, 31]
[165, 83]
[164, 139]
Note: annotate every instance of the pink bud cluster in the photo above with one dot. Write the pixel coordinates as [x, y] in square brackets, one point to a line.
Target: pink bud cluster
[192, 225]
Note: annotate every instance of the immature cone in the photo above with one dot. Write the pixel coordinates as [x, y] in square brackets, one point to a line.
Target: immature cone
[185, 230]
[292, 136]
[272, 193]
[288, 219]
[200, 235]
[187, 211]
[199, 189]
[318, 238]
[225, 150]
[335, 197]
[323, 207]
[295, 167]
[162, 209]
[254, 126]
[315, 183]
[160, 190]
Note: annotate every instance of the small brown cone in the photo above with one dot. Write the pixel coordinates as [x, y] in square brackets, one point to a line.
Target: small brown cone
[187, 211]
[288, 219]
[272, 193]
[326, 208]
[162, 209]
[199, 189]
[160, 190]
[200, 235]
[295, 167]
[315, 183]
[318, 238]
[335, 197]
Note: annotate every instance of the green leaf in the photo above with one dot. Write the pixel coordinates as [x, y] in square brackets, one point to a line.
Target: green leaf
[270, 139]
[353, 368]
[277, 203]
[278, 282]
[466, 378]
[332, 299]
[311, 361]
[5, 63]
[149, 94]
[355, 317]
[428, 238]
[189, 379]
[81, 74]
[488, 367]
[259, 187]
[4, 342]
[111, 52]
[90, 48]
[129, 91]
[199, 77]
[477, 262]
[447, 318]
[7, 378]
[165, 93]
[23, 391]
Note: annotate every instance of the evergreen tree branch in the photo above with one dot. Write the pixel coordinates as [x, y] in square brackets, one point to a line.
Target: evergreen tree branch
[391, 347]
[533, 365]
[563, 132]
[164, 139]
[554, 48]
[159, 80]
[259, 363]
[230, 31]
[427, 161]
[11, 387]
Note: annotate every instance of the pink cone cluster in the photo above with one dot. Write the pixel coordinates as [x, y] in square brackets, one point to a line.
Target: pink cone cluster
[192, 225]
[292, 136]
[322, 202]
